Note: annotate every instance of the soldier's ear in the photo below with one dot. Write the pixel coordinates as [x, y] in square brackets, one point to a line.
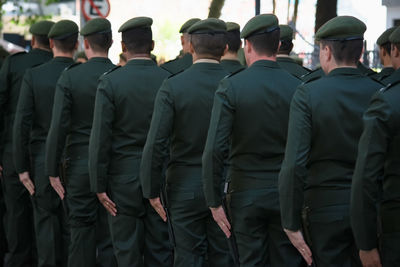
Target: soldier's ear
[123, 46]
[226, 49]
[152, 45]
[51, 41]
[33, 41]
[191, 48]
[86, 43]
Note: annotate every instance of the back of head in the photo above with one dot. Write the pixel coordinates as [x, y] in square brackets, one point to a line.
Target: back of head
[344, 35]
[383, 40]
[40, 30]
[263, 33]
[98, 33]
[65, 35]
[137, 35]
[286, 37]
[208, 38]
[233, 37]
[394, 38]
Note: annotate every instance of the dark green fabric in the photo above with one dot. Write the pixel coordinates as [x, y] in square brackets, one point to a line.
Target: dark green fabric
[260, 24]
[365, 70]
[395, 76]
[394, 37]
[63, 29]
[390, 255]
[383, 74]
[179, 64]
[115, 149]
[41, 28]
[231, 66]
[232, 26]
[325, 124]
[70, 128]
[313, 75]
[19, 220]
[188, 24]
[286, 33]
[180, 121]
[341, 28]
[96, 25]
[31, 126]
[291, 66]
[384, 37]
[378, 154]
[137, 22]
[210, 25]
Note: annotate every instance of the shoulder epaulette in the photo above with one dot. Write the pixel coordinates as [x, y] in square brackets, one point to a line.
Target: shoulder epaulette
[174, 74]
[388, 86]
[72, 66]
[111, 70]
[234, 73]
[18, 53]
[310, 79]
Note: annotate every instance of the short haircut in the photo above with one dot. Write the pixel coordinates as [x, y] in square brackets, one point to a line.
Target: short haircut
[67, 44]
[265, 43]
[286, 47]
[209, 44]
[397, 45]
[345, 52]
[138, 40]
[100, 42]
[387, 47]
[42, 40]
[233, 40]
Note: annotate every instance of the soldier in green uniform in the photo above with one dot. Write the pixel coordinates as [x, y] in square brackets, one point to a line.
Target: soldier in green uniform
[123, 110]
[70, 127]
[325, 124]
[31, 126]
[230, 60]
[18, 220]
[185, 60]
[379, 154]
[384, 54]
[180, 121]
[250, 116]
[284, 60]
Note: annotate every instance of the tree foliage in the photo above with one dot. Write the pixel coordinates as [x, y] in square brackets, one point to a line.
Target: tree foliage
[215, 8]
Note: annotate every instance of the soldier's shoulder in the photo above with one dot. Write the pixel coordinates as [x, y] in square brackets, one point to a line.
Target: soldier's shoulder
[390, 86]
[18, 54]
[112, 71]
[72, 66]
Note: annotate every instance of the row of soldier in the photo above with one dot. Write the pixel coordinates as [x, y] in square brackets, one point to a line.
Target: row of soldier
[170, 156]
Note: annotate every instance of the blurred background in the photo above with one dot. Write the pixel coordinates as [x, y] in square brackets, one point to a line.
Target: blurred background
[305, 16]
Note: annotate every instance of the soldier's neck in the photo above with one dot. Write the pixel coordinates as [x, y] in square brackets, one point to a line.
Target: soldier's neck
[60, 53]
[137, 56]
[230, 56]
[92, 55]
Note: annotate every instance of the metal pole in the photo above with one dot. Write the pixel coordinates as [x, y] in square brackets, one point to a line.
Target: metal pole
[257, 7]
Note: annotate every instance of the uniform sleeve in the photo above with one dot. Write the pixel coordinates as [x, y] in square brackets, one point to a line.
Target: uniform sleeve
[156, 148]
[216, 147]
[4, 87]
[23, 123]
[60, 121]
[293, 171]
[370, 162]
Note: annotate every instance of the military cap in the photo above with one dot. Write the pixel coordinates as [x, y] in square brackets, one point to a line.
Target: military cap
[384, 37]
[394, 37]
[232, 26]
[188, 24]
[41, 28]
[210, 25]
[63, 29]
[260, 24]
[341, 28]
[97, 25]
[138, 22]
[286, 33]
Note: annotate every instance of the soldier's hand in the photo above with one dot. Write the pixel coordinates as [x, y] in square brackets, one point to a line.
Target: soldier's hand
[221, 219]
[57, 186]
[27, 182]
[107, 203]
[370, 258]
[1, 171]
[156, 203]
[297, 239]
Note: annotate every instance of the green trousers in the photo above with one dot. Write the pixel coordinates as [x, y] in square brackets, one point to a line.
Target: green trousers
[333, 244]
[3, 240]
[50, 220]
[18, 221]
[390, 249]
[199, 240]
[257, 226]
[90, 244]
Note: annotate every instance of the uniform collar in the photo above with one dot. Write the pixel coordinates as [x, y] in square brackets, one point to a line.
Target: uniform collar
[206, 60]
[344, 71]
[266, 63]
[99, 59]
[141, 61]
[63, 59]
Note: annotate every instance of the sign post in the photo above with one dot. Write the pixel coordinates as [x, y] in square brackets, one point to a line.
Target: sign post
[95, 9]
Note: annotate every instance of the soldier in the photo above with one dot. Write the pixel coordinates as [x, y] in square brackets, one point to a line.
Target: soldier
[185, 60]
[230, 60]
[284, 60]
[70, 127]
[257, 144]
[180, 122]
[324, 127]
[384, 54]
[123, 109]
[80, 57]
[378, 153]
[18, 220]
[31, 126]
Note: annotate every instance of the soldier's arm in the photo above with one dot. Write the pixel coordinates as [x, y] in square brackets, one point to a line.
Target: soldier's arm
[370, 162]
[60, 121]
[216, 148]
[4, 85]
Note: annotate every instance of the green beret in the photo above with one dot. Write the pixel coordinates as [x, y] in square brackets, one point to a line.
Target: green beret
[97, 25]
[286, 33]
[41, 28]
[384, 37]
[232, 26]
[138, 22]
[63, 29]
[260, 24]
[188, 24]
[210, 25]
[394, 38]
[341, 28]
